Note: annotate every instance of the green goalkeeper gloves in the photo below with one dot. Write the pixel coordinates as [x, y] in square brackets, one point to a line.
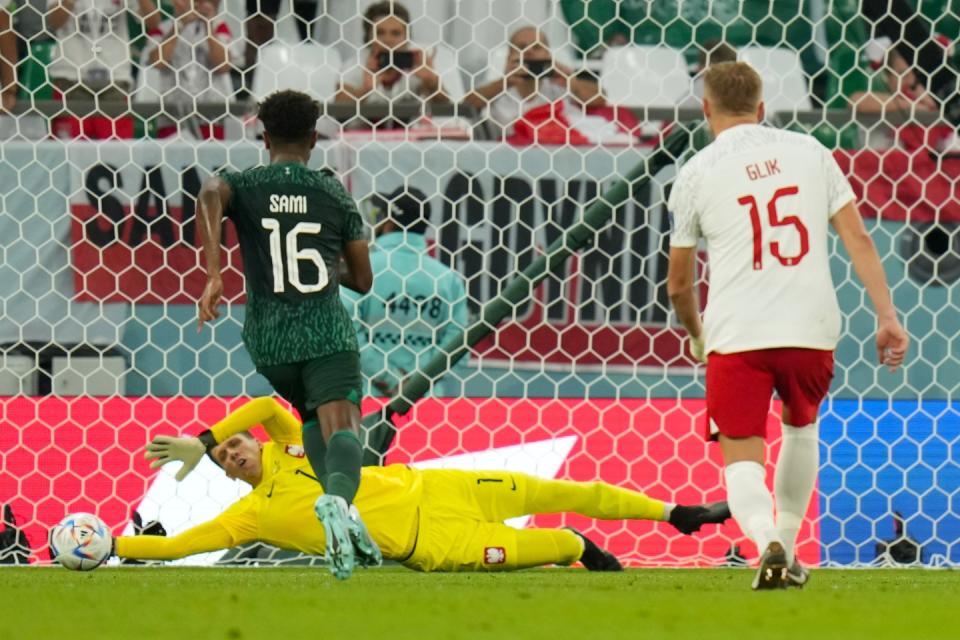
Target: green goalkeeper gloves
[164, 449]
[698, 348]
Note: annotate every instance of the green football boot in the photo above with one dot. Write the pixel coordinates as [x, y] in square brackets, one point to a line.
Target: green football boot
[333, 513]
[367, 552]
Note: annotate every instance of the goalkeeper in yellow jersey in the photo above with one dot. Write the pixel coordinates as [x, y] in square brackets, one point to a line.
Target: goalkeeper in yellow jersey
[429, 520]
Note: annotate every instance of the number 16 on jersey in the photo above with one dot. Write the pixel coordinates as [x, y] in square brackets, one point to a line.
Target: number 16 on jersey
[295, 256]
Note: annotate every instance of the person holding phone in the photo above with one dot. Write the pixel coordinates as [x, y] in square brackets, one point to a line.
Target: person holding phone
[390, 67]
[533, 78]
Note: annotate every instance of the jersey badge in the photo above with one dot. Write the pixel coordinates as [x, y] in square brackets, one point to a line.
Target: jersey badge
[494, 555]
[295, 450]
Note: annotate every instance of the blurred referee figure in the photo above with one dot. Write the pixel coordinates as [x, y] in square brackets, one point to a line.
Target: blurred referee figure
[762, 199]
[416, 302]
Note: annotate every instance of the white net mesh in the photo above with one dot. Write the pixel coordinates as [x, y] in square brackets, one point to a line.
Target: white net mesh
[587, 379]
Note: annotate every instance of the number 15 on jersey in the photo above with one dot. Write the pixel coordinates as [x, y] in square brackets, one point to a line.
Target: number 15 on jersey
[775, 220]
[295, 256]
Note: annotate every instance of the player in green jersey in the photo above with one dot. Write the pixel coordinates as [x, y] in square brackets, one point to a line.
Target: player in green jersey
[294, 226]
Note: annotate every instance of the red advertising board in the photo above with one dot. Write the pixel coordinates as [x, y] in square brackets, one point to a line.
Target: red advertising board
[149, 257]
[62, 455]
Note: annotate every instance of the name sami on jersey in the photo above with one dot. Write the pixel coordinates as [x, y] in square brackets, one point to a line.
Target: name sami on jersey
[756, 171]
[287, 204]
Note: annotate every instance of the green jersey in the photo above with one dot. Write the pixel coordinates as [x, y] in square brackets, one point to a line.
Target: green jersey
[292, 223]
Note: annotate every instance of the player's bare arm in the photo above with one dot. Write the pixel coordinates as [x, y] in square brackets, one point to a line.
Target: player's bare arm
[358, 275]
[892, 340]
[680, 282]
[214, 195]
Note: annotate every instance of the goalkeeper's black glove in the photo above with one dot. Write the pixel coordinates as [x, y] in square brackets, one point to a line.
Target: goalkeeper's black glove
[152, 528]
[14, 547]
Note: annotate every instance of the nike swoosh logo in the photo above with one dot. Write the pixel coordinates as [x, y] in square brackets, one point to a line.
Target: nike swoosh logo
[304, 473]
[513, 483]
[274, 484]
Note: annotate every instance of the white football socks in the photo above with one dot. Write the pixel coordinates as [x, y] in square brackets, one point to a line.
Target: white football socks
[794, 479]
[751, 503]
[667, 510]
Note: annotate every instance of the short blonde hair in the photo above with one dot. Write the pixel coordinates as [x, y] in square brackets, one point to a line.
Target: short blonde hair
[734, 88]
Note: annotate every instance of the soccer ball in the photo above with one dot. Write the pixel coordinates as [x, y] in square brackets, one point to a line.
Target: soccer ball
[81, 542]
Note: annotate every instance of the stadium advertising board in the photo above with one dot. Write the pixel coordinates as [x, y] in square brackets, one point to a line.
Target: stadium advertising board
[133, 234]
[86, 454]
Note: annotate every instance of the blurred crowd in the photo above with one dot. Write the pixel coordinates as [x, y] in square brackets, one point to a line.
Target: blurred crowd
[183, 55]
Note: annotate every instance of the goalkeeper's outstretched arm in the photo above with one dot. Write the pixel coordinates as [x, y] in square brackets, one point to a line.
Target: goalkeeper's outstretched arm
[280, 425]
[209, 536]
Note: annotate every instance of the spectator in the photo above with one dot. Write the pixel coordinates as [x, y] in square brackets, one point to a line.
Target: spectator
[140, 37]
[8, 62]
[918, 75]
[533, 78]
[194, 57]
[901, 89]
[390, 67]
[711, 52]
[416, 302]
[32, 46]
[28, 21]
[925, 54]
[92, 59]
[262, 21]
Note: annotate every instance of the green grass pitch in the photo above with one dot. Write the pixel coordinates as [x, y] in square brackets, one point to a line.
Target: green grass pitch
[393, 604]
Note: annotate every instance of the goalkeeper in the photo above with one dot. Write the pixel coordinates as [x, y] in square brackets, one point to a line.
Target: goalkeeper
[431, 520]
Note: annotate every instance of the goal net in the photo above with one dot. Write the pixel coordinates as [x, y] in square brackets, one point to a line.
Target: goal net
[588, 377]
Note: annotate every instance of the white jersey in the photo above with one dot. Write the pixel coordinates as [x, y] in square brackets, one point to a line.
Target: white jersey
[762, 199]
[190, 77]
[94, 39]
[508, 107]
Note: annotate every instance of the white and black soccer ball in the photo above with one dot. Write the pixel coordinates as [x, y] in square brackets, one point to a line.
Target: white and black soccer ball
[81, 542]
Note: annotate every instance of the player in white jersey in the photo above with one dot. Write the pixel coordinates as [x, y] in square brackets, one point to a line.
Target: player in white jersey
[762, 199]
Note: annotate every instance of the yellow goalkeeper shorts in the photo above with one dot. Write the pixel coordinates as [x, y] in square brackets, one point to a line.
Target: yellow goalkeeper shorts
[461, 516]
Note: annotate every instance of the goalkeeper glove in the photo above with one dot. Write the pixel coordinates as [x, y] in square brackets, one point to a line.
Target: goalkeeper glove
[698, 348]
[164, 449]
[152, 528]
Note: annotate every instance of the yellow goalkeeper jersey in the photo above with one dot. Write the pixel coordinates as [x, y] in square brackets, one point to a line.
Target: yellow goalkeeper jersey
[279, 510]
